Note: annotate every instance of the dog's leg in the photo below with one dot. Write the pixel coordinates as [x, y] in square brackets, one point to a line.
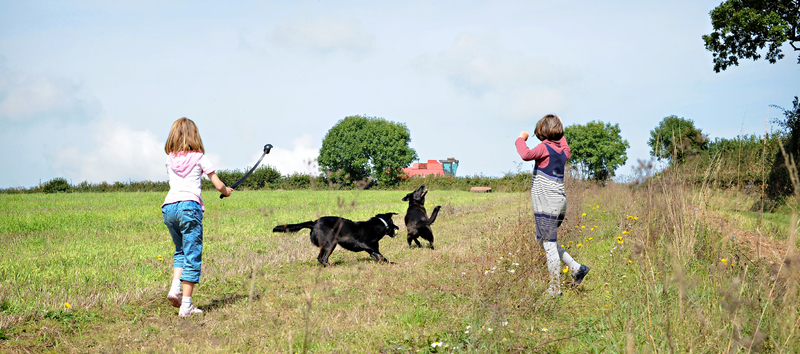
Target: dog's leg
[325, 252]
[410, 238]
[427, 235]
[378, 257]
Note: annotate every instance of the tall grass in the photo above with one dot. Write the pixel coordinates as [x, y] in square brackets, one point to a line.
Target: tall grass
[670, 273]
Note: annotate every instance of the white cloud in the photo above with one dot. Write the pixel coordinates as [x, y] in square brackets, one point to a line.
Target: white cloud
[121, 154]
[478, 65]
[301, 159]
[536, 100]
[324, 34]
[25, 98]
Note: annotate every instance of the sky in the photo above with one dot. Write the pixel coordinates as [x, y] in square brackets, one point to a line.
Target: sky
[89, 89]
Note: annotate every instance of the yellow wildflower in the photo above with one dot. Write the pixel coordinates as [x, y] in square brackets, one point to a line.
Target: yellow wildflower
[625, 232]
[583, 227]
[584, 214]
[67, 305]
[580, 244]
[619, 239]
[591, 238]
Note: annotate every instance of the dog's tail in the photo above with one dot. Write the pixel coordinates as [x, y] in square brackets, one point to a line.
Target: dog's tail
[294, 227]
[434, 214]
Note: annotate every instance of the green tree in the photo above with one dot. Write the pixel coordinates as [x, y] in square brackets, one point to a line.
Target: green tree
[597, 149]
[779, 183]
[360, 147]
[55, 185]
[743, 27]
[675, 139]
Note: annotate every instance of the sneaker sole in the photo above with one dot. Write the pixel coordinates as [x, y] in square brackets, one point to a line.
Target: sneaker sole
[175, 300]
[194, 311]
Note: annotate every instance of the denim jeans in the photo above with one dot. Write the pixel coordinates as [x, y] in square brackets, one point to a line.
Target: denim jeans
[185, 223]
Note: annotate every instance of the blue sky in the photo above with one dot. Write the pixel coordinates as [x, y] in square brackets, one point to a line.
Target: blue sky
[89, 89]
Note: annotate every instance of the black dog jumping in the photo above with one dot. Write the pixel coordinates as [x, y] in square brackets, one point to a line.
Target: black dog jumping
[328, 231]
[417, 221]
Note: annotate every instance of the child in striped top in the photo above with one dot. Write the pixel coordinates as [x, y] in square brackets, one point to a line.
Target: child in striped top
[548, 196]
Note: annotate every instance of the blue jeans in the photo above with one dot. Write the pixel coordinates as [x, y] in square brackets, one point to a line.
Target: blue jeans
[185, 223]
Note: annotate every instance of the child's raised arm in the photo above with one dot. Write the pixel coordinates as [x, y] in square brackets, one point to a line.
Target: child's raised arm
[219, 185]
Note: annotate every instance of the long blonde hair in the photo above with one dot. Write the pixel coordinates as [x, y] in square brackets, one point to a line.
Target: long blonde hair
[184, 137]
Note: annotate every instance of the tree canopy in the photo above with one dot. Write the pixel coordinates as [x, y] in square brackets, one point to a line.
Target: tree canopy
[676, 138]
[359, 147]
[597, 149]
[743, 27]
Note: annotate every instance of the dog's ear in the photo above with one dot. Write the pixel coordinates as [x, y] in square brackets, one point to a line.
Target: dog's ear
[392, 213]
[405, 199]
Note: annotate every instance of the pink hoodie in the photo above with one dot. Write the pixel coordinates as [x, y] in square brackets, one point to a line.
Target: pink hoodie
[183, 162]
[540, 153]
[185, 170]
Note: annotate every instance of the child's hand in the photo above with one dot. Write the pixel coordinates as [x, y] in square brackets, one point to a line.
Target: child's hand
[524, 135]
[228, 191]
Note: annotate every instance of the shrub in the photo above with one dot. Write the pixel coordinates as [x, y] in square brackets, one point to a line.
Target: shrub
[55, 185]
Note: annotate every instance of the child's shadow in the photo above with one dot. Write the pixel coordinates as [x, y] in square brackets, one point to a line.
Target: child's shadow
[219, 303]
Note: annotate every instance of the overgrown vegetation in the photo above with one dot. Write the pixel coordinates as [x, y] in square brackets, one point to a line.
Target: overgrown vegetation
[676, 267]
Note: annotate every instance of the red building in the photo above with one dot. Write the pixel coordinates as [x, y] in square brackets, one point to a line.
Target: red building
[432, 167]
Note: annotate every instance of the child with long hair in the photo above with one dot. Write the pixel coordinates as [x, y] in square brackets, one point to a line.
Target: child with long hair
[183, 209]
[548, 196]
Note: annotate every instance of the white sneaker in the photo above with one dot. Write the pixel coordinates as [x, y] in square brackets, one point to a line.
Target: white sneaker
[188, 311]
[553, 291]
[175, 299]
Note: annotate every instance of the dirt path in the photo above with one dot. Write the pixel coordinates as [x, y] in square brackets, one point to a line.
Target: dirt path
[757, 246]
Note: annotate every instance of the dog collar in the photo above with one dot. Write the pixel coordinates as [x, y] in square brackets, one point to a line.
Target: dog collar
[384, 222]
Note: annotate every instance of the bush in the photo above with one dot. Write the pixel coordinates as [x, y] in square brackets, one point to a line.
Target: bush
[55, 185]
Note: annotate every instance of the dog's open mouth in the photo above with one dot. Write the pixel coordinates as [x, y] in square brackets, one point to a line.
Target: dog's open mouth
[423, 193]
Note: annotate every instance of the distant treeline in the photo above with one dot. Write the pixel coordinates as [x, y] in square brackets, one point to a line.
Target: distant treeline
[269, 178]
[742, 161]
[751, 163]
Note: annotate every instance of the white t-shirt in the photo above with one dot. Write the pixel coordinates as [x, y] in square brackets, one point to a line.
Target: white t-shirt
[185, 172]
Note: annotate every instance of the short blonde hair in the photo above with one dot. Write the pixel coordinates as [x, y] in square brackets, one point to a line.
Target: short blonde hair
[184, 137]
[549, 128]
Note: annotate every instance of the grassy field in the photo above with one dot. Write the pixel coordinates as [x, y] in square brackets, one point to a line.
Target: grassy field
[673, 270]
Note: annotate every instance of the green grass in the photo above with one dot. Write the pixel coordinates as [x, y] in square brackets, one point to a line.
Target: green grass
[109, 256]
